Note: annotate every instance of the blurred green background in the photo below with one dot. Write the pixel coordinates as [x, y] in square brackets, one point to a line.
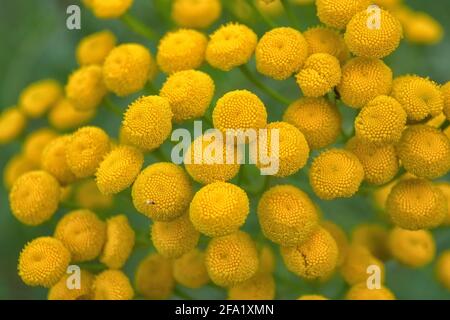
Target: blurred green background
[35, 44]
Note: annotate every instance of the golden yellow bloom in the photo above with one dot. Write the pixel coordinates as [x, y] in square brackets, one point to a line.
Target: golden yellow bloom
[189, 93]
[64, 115]
[60, 290]
[312, 297]
[15, 167]
[266, 259]
[317, 118]
[322, 39]
[354, 268]
[388, 4]
[320, 74]
[34, 197]
[231, 259]
[230, 46]
[339, 236]
[381, 121]
[196, 13]
[336, 173]
[147, 122]
[83, 233]
[174, 238]
[119, 169]
[110, 9]
[259, 287]
[269, 7]
[190, 271]
[446, 93]
[127, 68]
[361, 292]
[35, 144]
[374, 237]
[154, 277]
[39, 97]
[445, 188]
[281, 52]
[287, 215]
[443, 269]
[219, 208]
[88, 196]
[424, 151]
[43, 262]
[120, 238]
[94, 48]
[12, 124]
[363, 80]
[338, 13]
[54, 161]
[162, 191]
[86, 149]
[421, 28]
[112, 285]
[180, 50]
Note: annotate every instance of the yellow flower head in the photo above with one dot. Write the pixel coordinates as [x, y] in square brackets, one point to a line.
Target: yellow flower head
[94, 48]
[162, 191]
[338, 13]
[147, 123]
[320, 74]
[231, 259]
[110, 9]
[443, 269]
[388, 4]
[336, 173]
[88, 196]
[127, 69]
[269, 7]
[12, 124]
[54, 161]
[259, 287]
[445, 188]
[374, 237]
[190, 271]
[60, 291]
[381, 121]
[189, 93]
[219, 208]
[360, 291]
[322, 39]
[180, 50]
[230, 46]
[446, 93]
[312, 297]
[317, 118]
[424, 151]
[415, 204]
[36, 142]
[34, 197]
[358, 259]
[86, 149]
[287, 215]
[83, 233]
[43, 262]
[421, 28]
[314, 258]
[39, 97]
[281, 52]
[64, 115]
[112, 285]
[196, 13]
[120, 238]
[119, 169]
[154, 277]
[363, 80]
[339, 236]
[15, 167]
[266, 259]
[174, 238]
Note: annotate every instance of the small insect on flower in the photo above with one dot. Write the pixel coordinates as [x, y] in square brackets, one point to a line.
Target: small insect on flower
[190, 270]
[360, 291]
[107, 9]
[338, 13]
[39, 97]
[60, 290]
[94, 48]
[259, 287]
[12, 124]
[112, 285]
[154, 277]
[196, 13]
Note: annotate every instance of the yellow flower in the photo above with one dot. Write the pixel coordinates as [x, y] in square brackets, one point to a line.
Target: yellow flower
[94, 48]
[287, 215]
[64, 115]
[190, 271]
[338, 13]
[230, 46]
[112, 285]
[15, 167]
[340, 237]
[43, 262]
[162, 191]
[60, 290]
[388, 4]
[231, 259]
[35, 144]
[180, 50]
[154, 277]
[189, 93]
[421, 28]
[12, 124]
[54, 161]
[363, 80]
[127, 68]
[443, 269]
[219, 208]
[312, 297]
[445, 188]
[322, 39]
[147, 123]
[259, 287]
[374, 237]
[83, 233]
[360, 291]
[446, 93]
[196, 13]
[34, 197]
[269, 7]
[266, 259]
[88, 196]
[110, 9]
[354, 268]
[39, 97]
[281, 52]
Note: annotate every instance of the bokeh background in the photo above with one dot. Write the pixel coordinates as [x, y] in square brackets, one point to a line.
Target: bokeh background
[35, 44]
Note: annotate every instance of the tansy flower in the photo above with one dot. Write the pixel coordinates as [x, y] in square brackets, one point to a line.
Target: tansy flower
[12, 124]
[86, 149]
[88, 196]
[388, 4]
[154, 277]
[358, 259]
[120, 239]
[15, 167]
[230, 46]
[281, 52]
[219, 208]
[60, 290]
[174, 238]
[445, 188]
[35, 143]
[94, 48]
[287, 215]
[269, 7]
[318, 119]
[119, 169]
[64, 115]
[127, 68]
[43, 262]
[339, 236]
[180, 50]
[312, 297]
[338, 13]
[39, 97]
[415, 204]
[360, 291]
[83, 233]
[147, 123]
[322, 39]
[112, 285]
[443, 269]
[34, 197]
[363, 80]
[374, 237]
[259, 287]
[446, 93]
[421, 28]
[336, 173]
[266, 259]
[320, 74]
[54, 161]
[196, 13]
[162, 191]
[110, 9]
[190, 271]
[189, 93]
[231, 259]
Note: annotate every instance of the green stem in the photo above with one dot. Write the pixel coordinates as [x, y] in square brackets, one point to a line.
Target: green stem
[159, 154]
[263, 17]
[290, 13]
[110, 106]
[182, 294]
[150, 89]
[138, 27]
